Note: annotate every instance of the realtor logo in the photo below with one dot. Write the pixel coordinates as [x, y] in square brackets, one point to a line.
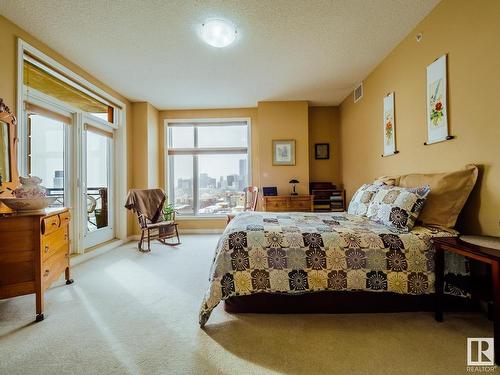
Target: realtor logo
[480, 351]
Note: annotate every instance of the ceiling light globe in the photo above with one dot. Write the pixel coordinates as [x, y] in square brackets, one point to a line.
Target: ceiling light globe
[218, 33]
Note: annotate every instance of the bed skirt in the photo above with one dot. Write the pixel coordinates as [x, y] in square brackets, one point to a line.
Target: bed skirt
[342, 302]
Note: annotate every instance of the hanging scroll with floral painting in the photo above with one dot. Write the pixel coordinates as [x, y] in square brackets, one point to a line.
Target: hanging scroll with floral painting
[437, 109]
[389, 126]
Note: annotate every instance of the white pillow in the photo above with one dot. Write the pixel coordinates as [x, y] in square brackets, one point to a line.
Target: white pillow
[361, 199]
[396, 207]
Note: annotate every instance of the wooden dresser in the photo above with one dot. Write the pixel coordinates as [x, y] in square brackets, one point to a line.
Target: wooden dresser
[289, 203]
[34, 252]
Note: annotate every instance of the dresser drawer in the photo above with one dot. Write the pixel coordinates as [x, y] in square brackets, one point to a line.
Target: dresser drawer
[301, 205]
[276, 204]
[53, 267]
[54, 242]
[50, 224]
[64, 218]
[300, 199]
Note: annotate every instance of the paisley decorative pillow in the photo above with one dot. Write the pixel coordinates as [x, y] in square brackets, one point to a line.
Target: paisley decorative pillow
[361, 199]
[397, 207]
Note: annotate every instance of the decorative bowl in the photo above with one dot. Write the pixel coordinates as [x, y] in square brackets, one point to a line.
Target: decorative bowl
[27, 204]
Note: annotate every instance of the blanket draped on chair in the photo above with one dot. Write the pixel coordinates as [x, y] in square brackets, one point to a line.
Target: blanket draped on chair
[149, 202]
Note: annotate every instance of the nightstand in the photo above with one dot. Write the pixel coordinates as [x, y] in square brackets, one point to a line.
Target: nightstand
[478, 251]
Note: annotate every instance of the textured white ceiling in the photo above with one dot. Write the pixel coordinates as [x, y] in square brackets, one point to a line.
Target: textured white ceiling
[315, 50]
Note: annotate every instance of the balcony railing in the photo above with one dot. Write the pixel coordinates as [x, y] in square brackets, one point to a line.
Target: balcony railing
[97, 205]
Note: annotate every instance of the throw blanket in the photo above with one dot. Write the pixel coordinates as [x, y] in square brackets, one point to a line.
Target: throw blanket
[148, 202]
[262, 252]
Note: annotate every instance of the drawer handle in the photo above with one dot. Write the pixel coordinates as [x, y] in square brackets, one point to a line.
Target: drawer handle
[46, 249]
[46, 273]
[65, 236]
[53, 223]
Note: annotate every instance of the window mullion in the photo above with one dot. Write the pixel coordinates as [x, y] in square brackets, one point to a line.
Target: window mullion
[195, 185]
[195, 174]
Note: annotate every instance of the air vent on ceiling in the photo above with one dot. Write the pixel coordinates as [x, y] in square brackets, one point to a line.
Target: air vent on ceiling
[358, 93]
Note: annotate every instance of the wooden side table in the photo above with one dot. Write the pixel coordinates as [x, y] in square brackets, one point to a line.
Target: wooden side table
[483, 254]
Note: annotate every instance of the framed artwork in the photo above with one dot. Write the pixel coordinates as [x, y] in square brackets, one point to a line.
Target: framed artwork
[437, 109]
[284, 152]
[322, 151]
[389, 126]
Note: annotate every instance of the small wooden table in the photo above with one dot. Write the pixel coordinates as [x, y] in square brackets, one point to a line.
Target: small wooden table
[480, 253]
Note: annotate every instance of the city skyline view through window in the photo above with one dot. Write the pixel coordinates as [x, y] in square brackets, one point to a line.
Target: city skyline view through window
[208, 167]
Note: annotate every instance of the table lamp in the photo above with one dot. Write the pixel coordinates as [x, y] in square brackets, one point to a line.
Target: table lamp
[293, 182]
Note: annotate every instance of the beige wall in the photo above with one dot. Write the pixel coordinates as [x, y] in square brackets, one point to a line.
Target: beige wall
[139, 145]
[469, 32]
[145, 164]
[284, 120]
[145, 146]
[153, 147]
[324, 127]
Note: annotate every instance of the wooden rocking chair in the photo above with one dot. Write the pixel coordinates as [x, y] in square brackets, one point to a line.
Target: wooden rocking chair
[161, 231]
[148, 206]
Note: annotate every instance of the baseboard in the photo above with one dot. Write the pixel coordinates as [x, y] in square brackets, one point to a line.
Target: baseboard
[97, 251]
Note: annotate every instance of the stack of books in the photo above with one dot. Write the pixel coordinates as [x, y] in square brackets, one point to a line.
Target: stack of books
[327, 197]
[337, 200]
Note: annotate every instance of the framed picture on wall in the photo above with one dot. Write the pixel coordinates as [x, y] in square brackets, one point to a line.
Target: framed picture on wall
[322, 151]
[284, 152]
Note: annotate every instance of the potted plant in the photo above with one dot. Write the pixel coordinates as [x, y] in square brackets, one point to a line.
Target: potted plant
[168, 211]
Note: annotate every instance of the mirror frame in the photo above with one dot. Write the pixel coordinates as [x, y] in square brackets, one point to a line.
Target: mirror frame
[8, 117]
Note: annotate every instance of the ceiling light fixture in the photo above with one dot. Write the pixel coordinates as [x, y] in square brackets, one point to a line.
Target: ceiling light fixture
[218, 33]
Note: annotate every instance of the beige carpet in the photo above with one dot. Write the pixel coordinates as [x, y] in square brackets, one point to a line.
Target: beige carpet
[133, 313]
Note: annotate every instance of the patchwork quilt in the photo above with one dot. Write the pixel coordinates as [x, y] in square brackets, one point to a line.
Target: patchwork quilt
[265, 252]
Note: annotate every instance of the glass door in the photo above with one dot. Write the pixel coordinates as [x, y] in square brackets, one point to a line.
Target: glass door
[48, 154]
[97, 187]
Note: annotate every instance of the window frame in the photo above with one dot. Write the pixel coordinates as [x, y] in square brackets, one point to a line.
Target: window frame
[169, 185]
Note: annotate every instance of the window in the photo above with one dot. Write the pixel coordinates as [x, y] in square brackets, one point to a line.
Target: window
[208, 166]
[46, 158]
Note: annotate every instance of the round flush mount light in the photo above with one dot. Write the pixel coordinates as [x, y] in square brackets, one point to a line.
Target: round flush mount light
[218, 33]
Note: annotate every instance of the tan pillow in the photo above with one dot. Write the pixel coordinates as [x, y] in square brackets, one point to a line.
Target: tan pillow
[387, 180]
[449, 192]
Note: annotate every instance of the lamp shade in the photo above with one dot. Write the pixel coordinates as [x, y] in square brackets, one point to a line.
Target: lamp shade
[293, 181]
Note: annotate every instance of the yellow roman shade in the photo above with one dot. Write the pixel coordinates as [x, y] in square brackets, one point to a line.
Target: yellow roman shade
[39, 79]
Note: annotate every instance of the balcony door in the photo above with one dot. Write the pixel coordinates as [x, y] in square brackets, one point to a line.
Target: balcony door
[97, 189]
[48, 154]
[75, 161]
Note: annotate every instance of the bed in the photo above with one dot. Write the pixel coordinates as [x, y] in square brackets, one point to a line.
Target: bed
[263, 254]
